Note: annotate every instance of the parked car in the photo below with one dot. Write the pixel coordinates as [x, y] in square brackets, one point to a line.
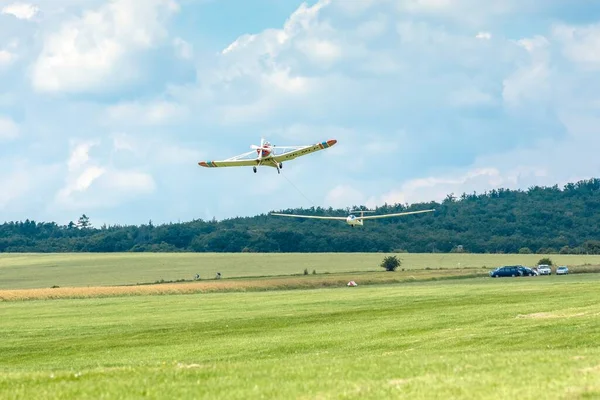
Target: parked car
[510, 270]
[562, 270]
[544, 269]
[526, 271]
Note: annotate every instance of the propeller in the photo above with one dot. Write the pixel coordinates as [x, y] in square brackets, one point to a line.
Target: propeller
[253, 146]
[262, 141]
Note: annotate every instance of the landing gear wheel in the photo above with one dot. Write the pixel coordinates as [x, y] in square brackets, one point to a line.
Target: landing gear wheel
[280, 165]
[254, 169]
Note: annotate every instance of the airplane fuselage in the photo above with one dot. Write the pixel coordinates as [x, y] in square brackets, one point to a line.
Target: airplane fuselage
[353, 221]
[264, 152]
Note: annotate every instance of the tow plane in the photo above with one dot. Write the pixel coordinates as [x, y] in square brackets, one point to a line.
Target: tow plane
[354, 220]
[268, 155]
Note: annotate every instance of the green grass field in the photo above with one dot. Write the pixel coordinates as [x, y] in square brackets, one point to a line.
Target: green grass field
[517, 338]
[22, 271]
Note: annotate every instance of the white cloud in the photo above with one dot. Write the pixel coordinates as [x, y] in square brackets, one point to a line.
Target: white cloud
[436, 188]
[86, 178]
[320, 51]
[8, 128]
[316, 63]
[21, 10]
[580, 44]
[259, 55]
[92, 185]
[544, 163]
[425, 98]
[97, 50]
[80, 155]
[535, 45]
[531, 81]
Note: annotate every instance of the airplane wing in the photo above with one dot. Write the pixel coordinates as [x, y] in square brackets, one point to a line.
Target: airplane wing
[298, 151]
[227, 163]
[395, 214]
[309, 216]
[242, 160]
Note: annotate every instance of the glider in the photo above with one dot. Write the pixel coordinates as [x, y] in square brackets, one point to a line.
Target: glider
[352, 219]
[268, 155]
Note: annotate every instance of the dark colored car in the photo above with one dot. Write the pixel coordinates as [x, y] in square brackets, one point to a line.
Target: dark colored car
[527, 271]
[511, 270]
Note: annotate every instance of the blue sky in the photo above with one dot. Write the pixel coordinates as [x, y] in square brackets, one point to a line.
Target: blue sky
[106, 107]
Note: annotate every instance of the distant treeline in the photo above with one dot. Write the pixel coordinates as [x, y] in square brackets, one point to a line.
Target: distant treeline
[538, 220]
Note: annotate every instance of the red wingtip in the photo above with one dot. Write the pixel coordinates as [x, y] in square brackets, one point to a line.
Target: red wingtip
[202, 164]
[331, 142]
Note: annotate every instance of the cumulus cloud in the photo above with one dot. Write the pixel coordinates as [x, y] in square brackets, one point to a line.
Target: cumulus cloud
[321, 64]
[531, 81]
[521, 168]
[425, 97]
[431, 67]
[90, 184]
[580, 44]
[21, 10]
[96, 51]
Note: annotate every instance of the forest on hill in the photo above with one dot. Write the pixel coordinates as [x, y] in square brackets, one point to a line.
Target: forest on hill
[537, 220]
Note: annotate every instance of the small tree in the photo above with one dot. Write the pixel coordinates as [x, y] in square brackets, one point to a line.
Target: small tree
[84, 222]
[545, 261]
[565, 250]
[525, 250]
[390, 263]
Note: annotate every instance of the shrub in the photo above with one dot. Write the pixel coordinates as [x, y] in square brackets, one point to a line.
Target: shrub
[390, 263]
[545, 261]
[525, 250]
[305, 271]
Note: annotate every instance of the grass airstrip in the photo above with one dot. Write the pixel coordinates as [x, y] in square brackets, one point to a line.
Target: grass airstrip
[406, 334]
[25, 271]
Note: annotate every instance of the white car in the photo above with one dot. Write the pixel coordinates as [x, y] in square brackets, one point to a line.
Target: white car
[562, 270]
[544, 269]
